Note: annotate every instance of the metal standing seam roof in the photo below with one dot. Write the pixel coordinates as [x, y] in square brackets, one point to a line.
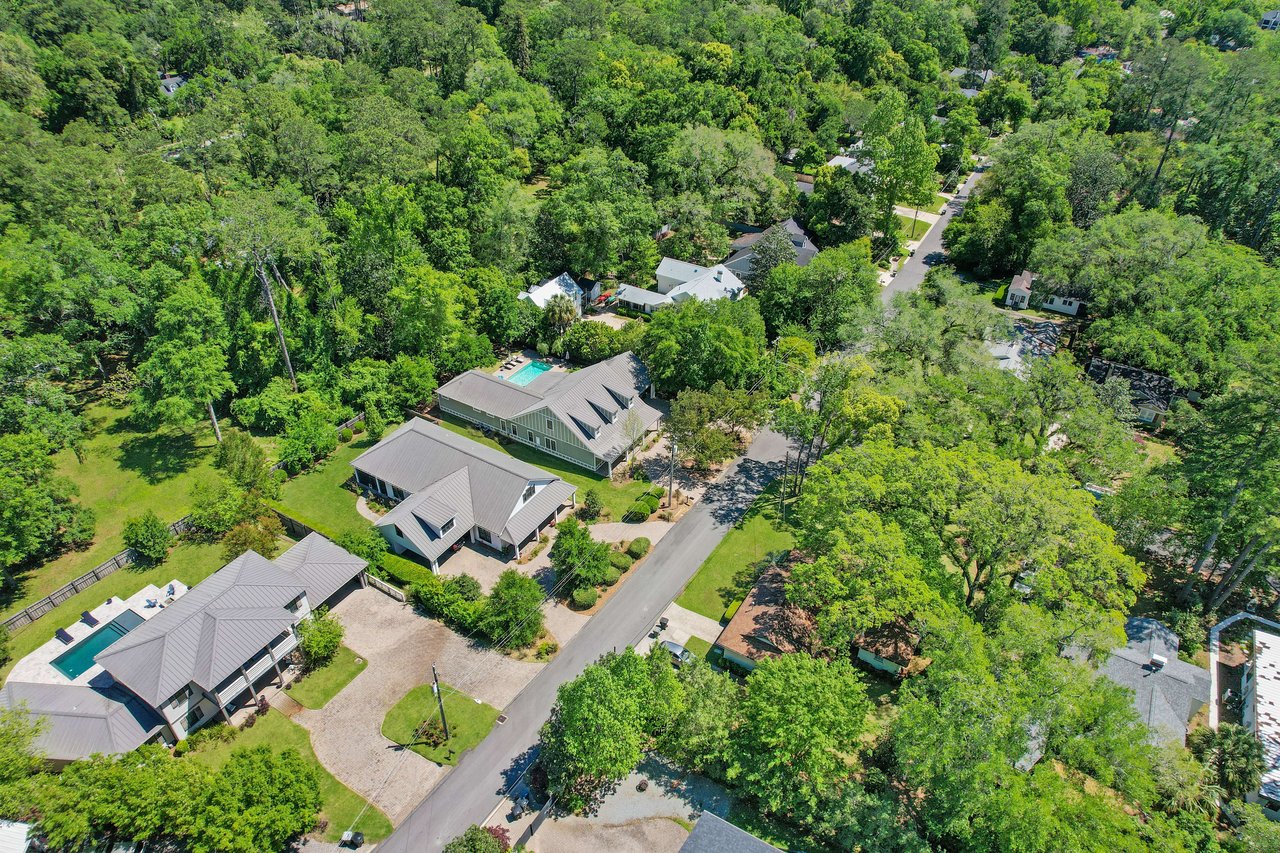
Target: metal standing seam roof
[640, 296]
[716, 283]
[443, 470]
[1266, 721]
[713, 834]
[223, 622]
[81, 720]
[577, 399]
[563, 283]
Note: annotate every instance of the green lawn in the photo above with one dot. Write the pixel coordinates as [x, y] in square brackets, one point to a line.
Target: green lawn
[469, 722]
[124, 473]
[940, 203]
[904, 226]
[339, 804]
[700, 647]
[317, 688]
[317, 498]
[617, 496]
[188, 562]
[757, 536]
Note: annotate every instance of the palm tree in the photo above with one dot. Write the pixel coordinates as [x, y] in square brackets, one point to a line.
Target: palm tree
[1235, 757]
[560, 313]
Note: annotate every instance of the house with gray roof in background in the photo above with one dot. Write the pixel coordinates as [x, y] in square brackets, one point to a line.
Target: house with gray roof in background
[1167, 692]
[744, 251]
[448, 488]
[714, 834]
[178, 661]
[593, 417]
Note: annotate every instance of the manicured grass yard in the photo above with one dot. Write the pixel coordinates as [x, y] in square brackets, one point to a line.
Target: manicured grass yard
[188, 562]
[700, 647]
[904, 224]
[317, 498]
[124, 473]
[318, 687]
[617, 496]
[757, 536]
[339, 804]
[469, 722]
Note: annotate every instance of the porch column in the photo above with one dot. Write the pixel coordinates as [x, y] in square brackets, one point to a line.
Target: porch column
[226, 718]
[248, 682]
[276, 663]
[364, 579]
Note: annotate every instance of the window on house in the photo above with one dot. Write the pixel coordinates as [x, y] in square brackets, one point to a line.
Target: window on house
[447, 526]
[528, 493]
[398, 533]
[551, 444]
[550, 425]
[196, 715]
[484, 535]
[513, 429]
[531, 435]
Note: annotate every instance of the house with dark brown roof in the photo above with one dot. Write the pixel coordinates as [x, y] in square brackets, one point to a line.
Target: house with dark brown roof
[894, 647]
[765, 625]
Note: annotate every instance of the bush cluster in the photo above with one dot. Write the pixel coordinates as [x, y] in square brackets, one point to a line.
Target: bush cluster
[611, 576]
[149, 537]
[510, 617]
[619, 561]
[638, 548]
[584, 598]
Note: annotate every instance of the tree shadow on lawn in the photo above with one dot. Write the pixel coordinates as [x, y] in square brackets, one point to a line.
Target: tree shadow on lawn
[159, 456]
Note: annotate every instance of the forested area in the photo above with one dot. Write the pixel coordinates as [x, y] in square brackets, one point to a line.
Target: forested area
[332, 215]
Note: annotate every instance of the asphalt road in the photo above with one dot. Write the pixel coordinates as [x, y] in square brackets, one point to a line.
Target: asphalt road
[476, 786]
[930, 251]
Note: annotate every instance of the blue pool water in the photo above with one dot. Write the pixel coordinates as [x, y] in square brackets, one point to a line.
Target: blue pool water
[74, 662]
[528, 373]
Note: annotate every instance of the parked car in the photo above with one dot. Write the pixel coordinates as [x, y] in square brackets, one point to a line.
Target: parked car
[679, 654]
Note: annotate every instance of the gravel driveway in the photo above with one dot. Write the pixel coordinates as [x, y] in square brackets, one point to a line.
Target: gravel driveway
[400, 647]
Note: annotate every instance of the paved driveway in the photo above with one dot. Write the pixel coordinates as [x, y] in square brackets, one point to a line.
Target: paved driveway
[914, 270]
[477, 786]
[400, 646]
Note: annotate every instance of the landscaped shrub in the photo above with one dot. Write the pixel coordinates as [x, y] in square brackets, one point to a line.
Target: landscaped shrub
[346, 435]
[444, 601]
[638, 511]
[592, 504]
[611, 575]
[217, 507]
[319, 638]
[357, 427]
[213, 733]
[656, 492]
[405, 573]
[585, 598]
[731, 610]
[367, 544]
[149, 537]
[513, 612]
[620, 561]
[546, 650]
[465, 587]
[261, 534]
[638, 547]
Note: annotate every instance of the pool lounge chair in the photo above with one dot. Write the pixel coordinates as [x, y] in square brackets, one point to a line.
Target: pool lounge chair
[169, 591]
[88, 619]
[66, 638]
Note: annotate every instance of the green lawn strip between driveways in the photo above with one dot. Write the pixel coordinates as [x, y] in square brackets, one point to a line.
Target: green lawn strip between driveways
[188, 562]
[757, 536]
[316, 688]
[124, 474]
[617, 496]
[340, 804]
[469, 722]
[700, 647]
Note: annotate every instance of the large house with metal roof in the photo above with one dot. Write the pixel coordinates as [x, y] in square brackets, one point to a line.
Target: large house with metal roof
[593, 417]
[448, 488]
[166, 664]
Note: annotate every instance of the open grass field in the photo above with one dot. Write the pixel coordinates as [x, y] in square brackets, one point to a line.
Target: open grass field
[188, 562]
[318, 687]
[469, 722]
[317, 498]
[125, 472]
[756, 537]
[617, 496]
[339, 804]
[905, 225]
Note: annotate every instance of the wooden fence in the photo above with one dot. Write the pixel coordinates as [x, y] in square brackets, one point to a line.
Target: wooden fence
[80, 584]
[293, 527]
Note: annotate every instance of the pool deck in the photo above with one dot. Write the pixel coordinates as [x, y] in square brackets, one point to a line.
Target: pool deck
[38, 667]
[522, 360]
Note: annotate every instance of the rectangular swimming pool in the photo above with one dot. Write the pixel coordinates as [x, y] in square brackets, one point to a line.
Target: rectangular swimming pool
[77, 660]
[528, 373]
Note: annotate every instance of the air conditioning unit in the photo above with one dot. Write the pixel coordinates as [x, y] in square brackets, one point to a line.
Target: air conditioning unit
[1158, 661]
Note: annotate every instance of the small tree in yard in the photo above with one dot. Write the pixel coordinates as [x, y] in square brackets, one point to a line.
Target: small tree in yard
[592, 505]
[513, 614]
[367, 544]
[319, 638]
[577, 556]
[1233, 754]
[149, 537]
[480, 839]
[260, 534]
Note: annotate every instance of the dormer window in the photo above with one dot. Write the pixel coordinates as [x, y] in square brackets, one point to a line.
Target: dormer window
[528, 493]
[447, 526]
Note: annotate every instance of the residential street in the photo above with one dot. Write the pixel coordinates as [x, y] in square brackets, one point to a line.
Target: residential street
[475, 787]
[914, 270]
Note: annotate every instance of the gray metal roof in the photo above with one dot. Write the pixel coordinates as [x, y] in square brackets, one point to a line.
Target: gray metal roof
[640, 296]
[716, 283]
[1167, 698]
[83, 720]
[445, 472]
[223, 622]
[712, 834]
[578, 399]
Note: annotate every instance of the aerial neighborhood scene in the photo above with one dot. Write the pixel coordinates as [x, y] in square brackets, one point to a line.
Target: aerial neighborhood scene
[441, 426]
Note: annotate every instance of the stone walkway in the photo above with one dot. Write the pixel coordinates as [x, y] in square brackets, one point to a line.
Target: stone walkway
[362, 507]
[400, 646]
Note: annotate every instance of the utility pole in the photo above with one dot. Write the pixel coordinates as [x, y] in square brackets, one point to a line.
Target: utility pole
[435, 688]
[671, 483]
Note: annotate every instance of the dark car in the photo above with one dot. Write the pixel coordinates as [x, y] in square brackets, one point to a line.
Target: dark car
[679, 654]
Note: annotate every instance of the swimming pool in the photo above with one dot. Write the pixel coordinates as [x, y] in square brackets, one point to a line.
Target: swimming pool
[528, 373]
[77, 660]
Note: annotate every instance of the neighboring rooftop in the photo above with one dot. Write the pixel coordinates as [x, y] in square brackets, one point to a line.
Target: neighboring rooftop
[14, 837]
[581, 399]
[1267, 708]
[680, 270]
[207, 634]
[895, 641]
[1151, 391]
[541, 293]
[712, 834]
[84, 720]
[1031, 340]
[640, 296]
[1166, 696]
[765, 624]
[739, 263]
[714, 283]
